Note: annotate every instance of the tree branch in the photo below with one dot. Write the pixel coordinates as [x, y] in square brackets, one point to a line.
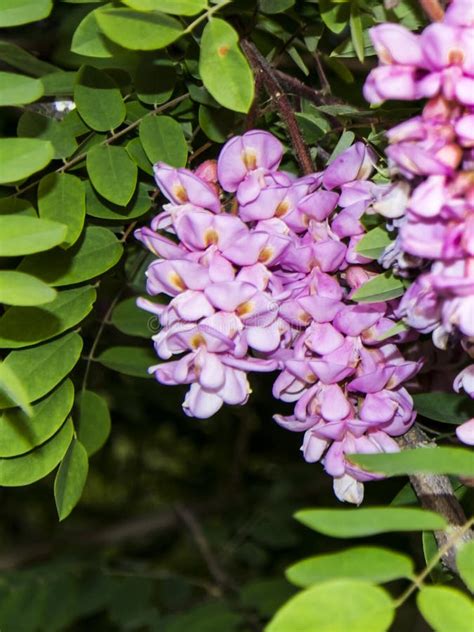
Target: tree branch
[435, 492]
[433, 9]
[275, 91]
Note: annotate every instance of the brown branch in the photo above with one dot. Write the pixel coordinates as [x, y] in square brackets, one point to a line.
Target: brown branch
[272, 85]
[433, 9]
[299, 88]
[197, 533]
[435, 493]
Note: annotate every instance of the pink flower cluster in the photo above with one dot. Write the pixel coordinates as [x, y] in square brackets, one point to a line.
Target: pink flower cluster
[260, 268]
[434, 155]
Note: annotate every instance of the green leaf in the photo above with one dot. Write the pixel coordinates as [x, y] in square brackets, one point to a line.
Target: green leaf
[62, 198]
[131, 320]
[17, 288]
[275, 6]
[59, 84]
[98, 99]
[441, 460]
[155, 81]
[354, 523]
[137, 154]
[357, 31]
[363, 562]
[128, 360]
[449, 408]
[41, 368]
[336, 606]
[112, 172]
[216, 124]
[36, 126]
[382, 287]
[20, 59]
[25, 326]
[22, 235]
[398, 328]
[20, 157]
[70, 479]
[224, 70]
[18, 89]
[139, 31]
[89, 40]
[18, 206]
[446, 609]
[16, 12]
[29, 468]
[97, 251]
[20, 434]
[345, 141]
[12, 388]
[335, 16]
[374, 243]
[175, 7]
[138, 205]
[163, 140]
[465, 563]
[93, 427]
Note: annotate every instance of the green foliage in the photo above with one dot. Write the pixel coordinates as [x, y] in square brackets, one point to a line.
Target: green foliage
[354, 523]
[25, 326]
[325, 607]
[30, 467]
[465, 563]
[93, 426]
[70, 479]
[442, 460]
[131, 320]
[23, 235]
[223, 68]
[42, 367]
[97, 251]
[20, 433]
[163, 140]
[446, 609]
[382, 287]
[166, 80]
[449, 408]
[18, 89]
[374, 242]
[98, 99]
[20, 157]
[15, 12]
[113, 173]
[137, 30]
[61, 198]
[369, 563]
[128, 360]
[18, 288]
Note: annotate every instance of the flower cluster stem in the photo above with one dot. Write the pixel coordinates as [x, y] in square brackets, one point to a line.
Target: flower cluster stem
[276, 92]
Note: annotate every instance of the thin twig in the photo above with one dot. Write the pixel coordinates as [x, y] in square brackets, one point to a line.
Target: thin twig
[449, 544]
[274, 89]
[323, 80]
[197, 533]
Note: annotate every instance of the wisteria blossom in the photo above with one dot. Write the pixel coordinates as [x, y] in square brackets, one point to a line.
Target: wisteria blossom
[432, 154]
[260, 268]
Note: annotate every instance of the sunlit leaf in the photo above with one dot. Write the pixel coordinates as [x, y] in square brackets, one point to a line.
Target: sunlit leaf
[446, 609]
[18, 288]
[20, 157]
[224, 70]
[352, 523]
[336, 606]
[137, 30]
